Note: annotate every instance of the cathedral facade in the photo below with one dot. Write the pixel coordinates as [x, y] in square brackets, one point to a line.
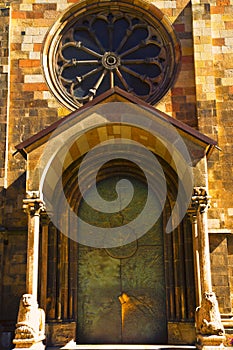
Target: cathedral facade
[116, 206]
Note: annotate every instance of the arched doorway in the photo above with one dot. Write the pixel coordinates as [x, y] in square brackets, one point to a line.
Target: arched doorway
[58, 288]
[91, 287]
[130, 294]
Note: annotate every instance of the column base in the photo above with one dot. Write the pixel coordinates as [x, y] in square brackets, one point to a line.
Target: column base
[25, 344]
[210, 342]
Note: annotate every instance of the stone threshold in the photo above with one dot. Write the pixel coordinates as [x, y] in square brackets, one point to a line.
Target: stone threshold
[74, 346]
[129, 347]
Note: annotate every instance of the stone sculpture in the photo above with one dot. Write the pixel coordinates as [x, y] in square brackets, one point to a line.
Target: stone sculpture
[30, 327]
[208, 319]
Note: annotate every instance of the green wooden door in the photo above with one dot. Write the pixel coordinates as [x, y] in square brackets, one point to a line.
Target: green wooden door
[121, 291]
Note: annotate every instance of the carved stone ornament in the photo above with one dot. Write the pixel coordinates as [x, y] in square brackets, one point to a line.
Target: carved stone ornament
[33, 205]
[30, 327]
[208, 319]
[199, 200]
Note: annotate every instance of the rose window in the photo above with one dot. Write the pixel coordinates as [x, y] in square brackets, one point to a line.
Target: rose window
[107, 47]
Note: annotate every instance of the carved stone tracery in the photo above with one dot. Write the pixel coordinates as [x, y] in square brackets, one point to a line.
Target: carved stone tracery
[106, 47]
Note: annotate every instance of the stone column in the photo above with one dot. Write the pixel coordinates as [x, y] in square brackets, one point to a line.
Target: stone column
[33, 206]
[196, 258]
[210, 331]
[200, 202]
[44, 263]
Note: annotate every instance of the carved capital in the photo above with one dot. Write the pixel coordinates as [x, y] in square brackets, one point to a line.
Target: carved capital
[33, 205]
[199, 201]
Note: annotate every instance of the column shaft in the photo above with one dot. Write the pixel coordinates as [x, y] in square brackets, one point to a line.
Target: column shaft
[32, 254]
[33, 207]
[204, 252]
[198, 212]
[196, 259]
[44, 264]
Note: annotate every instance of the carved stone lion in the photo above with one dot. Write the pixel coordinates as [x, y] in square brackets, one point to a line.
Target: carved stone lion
[30, 327]
[208, 319]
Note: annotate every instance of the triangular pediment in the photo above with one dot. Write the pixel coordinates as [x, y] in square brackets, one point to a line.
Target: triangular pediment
[197, 143]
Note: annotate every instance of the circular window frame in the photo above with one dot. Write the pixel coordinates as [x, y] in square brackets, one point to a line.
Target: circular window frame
[110, 62]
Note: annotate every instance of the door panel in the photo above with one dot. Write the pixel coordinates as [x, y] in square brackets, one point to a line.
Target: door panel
[99, 315]
[144, 312]
[121, 291]
[122, 300]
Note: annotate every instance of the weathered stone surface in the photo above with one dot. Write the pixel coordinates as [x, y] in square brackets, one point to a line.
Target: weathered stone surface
[208, 319]
[30, 327]
[59, 333]
[202, 97]
[181, 333]
[212, 342]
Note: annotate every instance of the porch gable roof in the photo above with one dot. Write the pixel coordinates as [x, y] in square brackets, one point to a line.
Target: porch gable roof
[118, 95]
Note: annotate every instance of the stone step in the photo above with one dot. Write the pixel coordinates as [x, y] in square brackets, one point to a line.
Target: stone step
[73, 346]
[157, 347]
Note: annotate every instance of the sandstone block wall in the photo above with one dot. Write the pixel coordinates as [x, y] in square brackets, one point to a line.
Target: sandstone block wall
[201, 97]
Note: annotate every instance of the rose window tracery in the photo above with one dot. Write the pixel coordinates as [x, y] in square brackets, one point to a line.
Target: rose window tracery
[104, 48]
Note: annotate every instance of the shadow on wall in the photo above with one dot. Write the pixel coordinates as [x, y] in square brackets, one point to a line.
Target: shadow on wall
[11, 205]
[183, 93]
[13, 256]
[6, 336]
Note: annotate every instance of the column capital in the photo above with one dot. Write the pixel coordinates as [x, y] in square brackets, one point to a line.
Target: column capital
[33, 204]
[199, 201]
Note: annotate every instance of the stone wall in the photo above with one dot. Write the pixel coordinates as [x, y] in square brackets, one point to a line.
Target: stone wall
[213, 54]
[13, 247]
[213, 47]
[4, 66]
[202, 97]
[32, 107]
[230, 266]
[220, 271]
